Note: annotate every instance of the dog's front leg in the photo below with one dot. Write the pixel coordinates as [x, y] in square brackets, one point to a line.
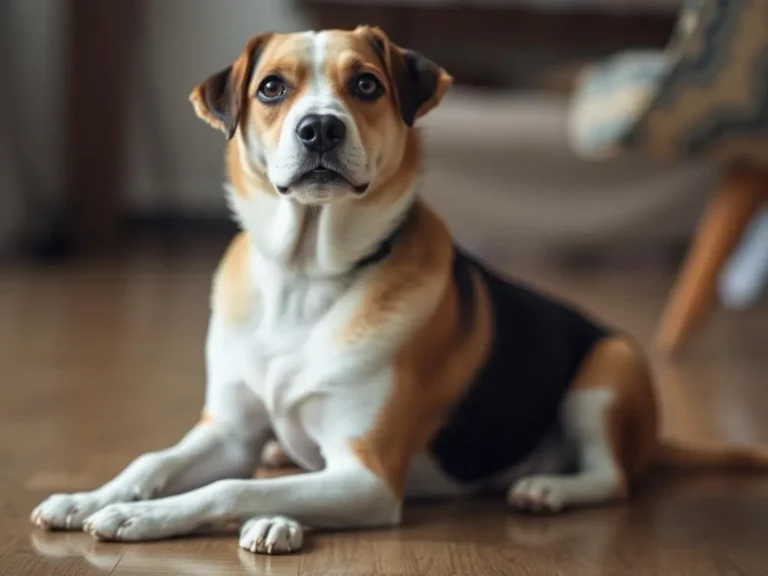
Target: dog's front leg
[226, 444]
[347, 496]
[208, 452]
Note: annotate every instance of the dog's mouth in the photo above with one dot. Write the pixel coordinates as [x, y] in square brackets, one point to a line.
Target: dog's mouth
[322, 180]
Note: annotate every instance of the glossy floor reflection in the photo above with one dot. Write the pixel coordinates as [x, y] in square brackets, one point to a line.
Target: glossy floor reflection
[101, 362]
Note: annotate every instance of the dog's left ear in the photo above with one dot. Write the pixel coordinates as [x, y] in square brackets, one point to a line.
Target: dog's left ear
[419, 84]
[222, 100]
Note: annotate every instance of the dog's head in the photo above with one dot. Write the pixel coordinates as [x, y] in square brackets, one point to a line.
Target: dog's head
[324, 116]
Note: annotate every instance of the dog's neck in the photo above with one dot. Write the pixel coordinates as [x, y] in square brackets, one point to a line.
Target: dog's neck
[313, 241]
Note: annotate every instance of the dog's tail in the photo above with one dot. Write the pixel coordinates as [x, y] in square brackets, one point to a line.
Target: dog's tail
[679, 456]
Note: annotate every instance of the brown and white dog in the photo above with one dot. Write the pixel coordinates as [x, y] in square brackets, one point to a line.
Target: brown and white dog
[345, 322]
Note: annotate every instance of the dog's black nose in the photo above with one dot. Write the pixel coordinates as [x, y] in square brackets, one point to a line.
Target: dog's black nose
[321, 132]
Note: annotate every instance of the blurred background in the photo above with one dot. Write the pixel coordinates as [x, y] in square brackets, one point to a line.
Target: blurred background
[99, 142]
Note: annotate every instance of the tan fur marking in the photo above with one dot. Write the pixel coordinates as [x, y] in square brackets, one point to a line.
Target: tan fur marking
[619, 365]
[205, 418]
[280, 56]
[348, 55]
[391, 146]
[393, 52]
[394, 184]
[422, 253]
[435, 366]
[632, 421]
[283, 56]
[232, 299]
[389, 49]
[241, 181]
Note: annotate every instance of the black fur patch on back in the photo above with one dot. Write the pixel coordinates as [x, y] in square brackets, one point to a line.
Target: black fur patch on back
[537, 347]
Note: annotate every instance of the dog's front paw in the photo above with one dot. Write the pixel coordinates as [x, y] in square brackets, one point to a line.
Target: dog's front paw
[66, 511]
[271, 535]
[136, 521]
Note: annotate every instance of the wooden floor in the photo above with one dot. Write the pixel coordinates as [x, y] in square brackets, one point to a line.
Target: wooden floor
[103, 361]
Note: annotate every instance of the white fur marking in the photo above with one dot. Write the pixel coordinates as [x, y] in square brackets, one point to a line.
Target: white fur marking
[599, 476]
[271, 535]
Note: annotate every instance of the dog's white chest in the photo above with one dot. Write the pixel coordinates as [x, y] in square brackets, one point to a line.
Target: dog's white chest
[284, 359]
[279, 369]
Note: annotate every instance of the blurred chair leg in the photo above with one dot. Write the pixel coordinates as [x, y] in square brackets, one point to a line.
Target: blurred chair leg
[746, 273]
[721, 228]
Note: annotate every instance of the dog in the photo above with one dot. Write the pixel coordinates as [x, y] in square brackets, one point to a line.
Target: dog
[344, 321]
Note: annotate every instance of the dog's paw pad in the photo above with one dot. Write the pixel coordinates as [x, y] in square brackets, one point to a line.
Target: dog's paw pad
[537, 494]
[271, 535]
[65, 511]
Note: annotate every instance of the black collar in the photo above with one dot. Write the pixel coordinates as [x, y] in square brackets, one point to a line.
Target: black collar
[386, 246]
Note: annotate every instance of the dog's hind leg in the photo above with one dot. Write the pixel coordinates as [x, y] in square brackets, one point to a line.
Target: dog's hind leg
[609, 416]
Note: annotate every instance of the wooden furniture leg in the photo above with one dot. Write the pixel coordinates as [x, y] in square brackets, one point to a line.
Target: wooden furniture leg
[726, 217]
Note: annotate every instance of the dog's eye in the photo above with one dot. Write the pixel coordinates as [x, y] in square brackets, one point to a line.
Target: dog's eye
[367, 87]
[271, 89]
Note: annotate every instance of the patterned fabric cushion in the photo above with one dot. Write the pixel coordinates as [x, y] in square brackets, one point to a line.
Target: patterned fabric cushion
[711, 99]
[610, 99]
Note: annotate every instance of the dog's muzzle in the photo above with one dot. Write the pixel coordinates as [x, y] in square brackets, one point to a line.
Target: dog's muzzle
[322, 169]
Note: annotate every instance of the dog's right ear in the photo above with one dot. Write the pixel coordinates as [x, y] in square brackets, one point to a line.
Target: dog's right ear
[419, 84]
[222, 100]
